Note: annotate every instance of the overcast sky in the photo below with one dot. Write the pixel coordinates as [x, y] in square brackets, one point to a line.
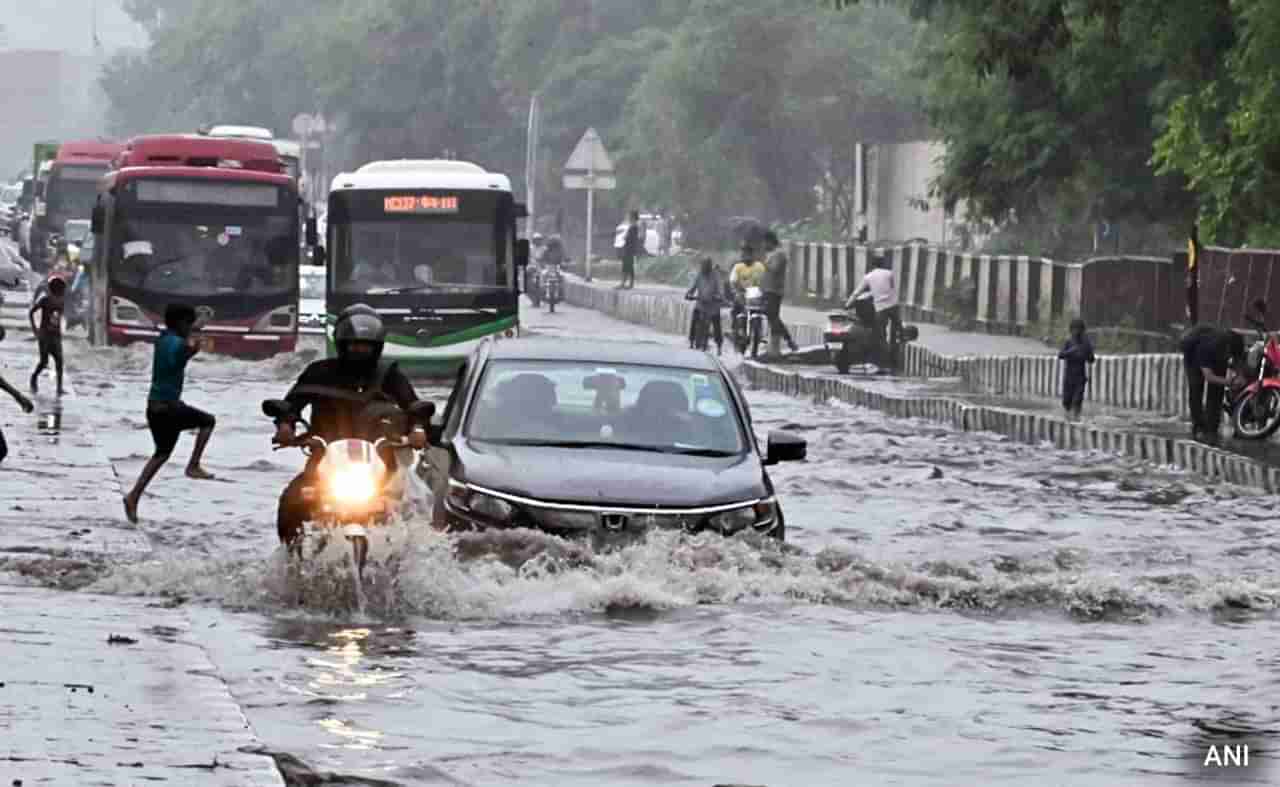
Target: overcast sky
[66, 25]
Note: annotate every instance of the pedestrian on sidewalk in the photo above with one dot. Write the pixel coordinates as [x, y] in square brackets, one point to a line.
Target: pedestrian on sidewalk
[774, 285]
[48, 335]
[879, 283]
[630, 250]
[18, 397]
[708, 295]
[1078, 354]
[1209, 356]
[167, 415]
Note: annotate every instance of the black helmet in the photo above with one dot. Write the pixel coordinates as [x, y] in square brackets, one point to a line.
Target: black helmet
[359, 323]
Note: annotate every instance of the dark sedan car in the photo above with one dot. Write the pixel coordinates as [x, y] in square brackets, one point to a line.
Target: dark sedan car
[579, 437]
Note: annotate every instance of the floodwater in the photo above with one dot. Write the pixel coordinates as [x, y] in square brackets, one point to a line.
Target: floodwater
[952, 609]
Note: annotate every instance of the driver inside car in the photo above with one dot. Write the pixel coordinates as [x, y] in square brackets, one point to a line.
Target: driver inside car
[341, 392]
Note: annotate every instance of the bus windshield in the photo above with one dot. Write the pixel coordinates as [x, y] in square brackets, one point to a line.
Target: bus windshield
[231, 245]
[380, 247]
[72, 192]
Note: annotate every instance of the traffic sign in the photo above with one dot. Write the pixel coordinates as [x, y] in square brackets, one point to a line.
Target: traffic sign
[577, 181]
[590, 154]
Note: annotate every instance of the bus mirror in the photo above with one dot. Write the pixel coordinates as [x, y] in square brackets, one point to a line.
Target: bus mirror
[522, 210]
[313, 237]
[95, 220]
[522, 252]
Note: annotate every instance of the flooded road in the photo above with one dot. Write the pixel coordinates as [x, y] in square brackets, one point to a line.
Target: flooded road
[952, 608]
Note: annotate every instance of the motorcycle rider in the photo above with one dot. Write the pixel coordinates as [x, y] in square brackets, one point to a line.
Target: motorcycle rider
[1210, 356]
[748, 272]
[338, 390]
[880, 286]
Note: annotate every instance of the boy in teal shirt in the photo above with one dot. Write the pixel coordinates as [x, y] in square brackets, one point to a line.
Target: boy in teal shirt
[167, 415]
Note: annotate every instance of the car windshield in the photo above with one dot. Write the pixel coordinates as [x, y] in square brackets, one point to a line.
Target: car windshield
[312, 285]
[378, 256]
[571, 404]
[253, 256]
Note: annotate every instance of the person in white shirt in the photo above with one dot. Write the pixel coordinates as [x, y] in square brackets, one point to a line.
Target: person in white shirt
[879, 285]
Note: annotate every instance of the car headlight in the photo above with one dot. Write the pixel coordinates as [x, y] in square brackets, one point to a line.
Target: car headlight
[760, 516]
[354, 485]
[487, 507]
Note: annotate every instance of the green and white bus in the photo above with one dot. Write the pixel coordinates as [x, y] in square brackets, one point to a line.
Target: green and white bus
[432, 246]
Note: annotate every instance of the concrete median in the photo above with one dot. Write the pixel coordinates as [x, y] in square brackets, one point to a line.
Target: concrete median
[1027, 427]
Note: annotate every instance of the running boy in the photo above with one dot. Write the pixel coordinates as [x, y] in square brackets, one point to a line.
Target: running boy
[49, 334]
[22, 401]
[167, 414]
[1078, 353]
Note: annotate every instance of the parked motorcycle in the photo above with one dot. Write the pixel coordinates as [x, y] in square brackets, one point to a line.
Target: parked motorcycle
[853, 332]
[1255, 406]
[553, 285]
[354, 496]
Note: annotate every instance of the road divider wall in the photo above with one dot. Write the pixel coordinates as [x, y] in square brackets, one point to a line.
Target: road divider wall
[1025, 427]
[1149, 382]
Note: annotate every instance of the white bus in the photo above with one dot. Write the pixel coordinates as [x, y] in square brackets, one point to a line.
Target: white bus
[432, 246]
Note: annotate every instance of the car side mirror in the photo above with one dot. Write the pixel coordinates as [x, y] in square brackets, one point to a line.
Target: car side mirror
[276, 408]
[522, 253]
[785, 447]
[313, 236]
[96, 220]
[318, 256]
[422, 412]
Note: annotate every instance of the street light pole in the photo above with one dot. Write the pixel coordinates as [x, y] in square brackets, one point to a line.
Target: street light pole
[531, 164]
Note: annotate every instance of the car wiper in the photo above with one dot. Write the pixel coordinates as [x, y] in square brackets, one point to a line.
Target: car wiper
[714, 452]
[582, 444]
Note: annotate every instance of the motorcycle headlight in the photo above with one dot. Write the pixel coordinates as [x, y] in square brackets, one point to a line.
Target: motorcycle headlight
[487, 507]
[760, 516]
[354, 485]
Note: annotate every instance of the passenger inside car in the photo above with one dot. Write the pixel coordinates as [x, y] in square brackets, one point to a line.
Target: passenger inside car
[660, 415]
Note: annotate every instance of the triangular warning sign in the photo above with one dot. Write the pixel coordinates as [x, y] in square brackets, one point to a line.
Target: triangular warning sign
[590, 154]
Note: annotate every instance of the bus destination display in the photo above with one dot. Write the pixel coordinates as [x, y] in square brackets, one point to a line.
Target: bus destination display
[420, 203]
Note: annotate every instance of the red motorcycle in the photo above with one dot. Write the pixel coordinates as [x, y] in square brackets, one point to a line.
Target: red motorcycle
[1255, 406]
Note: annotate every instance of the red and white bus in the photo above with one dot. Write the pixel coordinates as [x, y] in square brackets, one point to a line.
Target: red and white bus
[211, 223]
[66, 190]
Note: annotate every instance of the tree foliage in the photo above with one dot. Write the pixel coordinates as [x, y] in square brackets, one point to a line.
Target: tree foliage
[710, 107]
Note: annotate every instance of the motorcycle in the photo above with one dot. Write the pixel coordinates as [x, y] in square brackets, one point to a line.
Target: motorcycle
[749, 323]
[353, 495]
[553, 285]
[1255, 406]
[704, 325]
[853, 331]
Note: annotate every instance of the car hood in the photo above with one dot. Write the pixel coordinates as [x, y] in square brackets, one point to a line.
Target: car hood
[603, 476]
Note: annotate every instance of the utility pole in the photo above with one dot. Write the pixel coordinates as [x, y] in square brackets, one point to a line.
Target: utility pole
[531, 164]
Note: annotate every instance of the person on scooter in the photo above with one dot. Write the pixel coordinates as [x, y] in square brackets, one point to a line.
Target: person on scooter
[879, 284]
[338, 391]
[706, 291]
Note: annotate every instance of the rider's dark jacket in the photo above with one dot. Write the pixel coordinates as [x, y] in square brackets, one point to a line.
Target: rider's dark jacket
[339, 400]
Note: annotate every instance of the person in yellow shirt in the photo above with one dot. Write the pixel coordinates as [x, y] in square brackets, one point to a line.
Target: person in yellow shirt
[748, 272]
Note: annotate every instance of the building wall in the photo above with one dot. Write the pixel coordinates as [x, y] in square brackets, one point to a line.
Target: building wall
[896, 175]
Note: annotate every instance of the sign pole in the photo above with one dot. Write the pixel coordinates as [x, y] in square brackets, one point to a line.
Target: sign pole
[591, 192]
[1193, 276]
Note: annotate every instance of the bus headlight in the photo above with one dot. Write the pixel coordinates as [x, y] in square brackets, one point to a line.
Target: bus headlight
[126, 312]
[280, 320]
